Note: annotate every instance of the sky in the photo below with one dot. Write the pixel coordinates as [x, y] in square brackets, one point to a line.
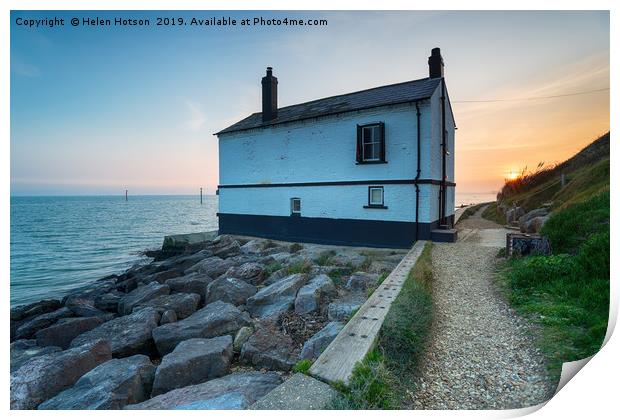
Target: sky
[97, 110]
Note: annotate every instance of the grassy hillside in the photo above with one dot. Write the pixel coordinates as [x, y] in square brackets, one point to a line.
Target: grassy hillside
[566, 293]
[586, 175]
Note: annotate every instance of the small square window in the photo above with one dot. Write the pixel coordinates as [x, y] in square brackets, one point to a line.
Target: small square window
[375, 196]
[295, 205]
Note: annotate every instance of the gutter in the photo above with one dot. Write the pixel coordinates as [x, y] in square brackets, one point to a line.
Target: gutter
[417, 176]
[442, 191]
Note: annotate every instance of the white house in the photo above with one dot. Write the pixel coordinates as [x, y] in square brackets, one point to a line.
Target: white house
[368, 168]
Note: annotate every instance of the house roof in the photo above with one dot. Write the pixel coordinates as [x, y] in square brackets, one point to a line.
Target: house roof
[370, 98]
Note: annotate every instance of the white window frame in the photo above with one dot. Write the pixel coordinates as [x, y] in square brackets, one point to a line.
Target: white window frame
[370, 191]
[293, 200]
[375, 143]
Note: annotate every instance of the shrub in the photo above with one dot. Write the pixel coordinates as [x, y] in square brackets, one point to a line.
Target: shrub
[324, 257]
[300, 267]
[303, 366]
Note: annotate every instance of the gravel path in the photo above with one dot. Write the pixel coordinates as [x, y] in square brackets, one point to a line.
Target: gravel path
[481, 354]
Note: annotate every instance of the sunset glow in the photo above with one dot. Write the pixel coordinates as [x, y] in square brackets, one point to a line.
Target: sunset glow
[138, 109]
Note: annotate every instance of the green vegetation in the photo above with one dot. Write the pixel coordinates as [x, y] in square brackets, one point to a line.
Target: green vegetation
[325, 257]
[383, 379]
[303, 366]
[470, 211]
[300, 267]
[567, 293]
[295, 248]
[272, 268]
[493, 214]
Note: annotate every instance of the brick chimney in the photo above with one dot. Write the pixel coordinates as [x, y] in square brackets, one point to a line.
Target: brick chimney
[435, 64]
[270, 96]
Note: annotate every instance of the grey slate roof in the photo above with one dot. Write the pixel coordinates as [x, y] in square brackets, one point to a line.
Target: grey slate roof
[370, 98]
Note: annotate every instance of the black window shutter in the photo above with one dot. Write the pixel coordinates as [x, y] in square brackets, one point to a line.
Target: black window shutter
[382, 142]
[358, 151]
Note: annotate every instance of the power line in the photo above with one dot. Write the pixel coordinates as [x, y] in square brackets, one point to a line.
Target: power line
[535, 97]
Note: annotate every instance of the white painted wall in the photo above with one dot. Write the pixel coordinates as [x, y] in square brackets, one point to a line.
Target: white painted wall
[323, 150]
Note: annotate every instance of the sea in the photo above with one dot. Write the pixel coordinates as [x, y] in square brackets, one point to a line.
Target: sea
[61, 243]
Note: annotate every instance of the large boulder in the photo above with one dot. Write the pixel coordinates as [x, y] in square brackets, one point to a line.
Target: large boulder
[241, 337]
[43, 377]
[65, 330]
[231, 290]
[108, 302]
[276, 276]
[249, 272]
[183, 304]
[232, 392]
[82, 302]
[141, 295]
[514, 214]
[254, 246]
[110, 386]
[269, 348]
[533, 221]
[31, 310]
[30, 327]
[310, 296]
[361, 281]
[24, 350]
[128, 335]
[212, 267]
[342, 309]
[315, 345]
[226, 249]
[215, 319]
[193, 361]
[185, 261]
[191, 283]
[276, 298]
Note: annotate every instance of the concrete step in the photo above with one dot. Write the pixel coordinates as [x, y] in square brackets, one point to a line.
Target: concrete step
[444, 235]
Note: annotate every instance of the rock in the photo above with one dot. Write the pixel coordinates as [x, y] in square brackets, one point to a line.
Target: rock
[191, 283]
[183, 241]
[212, 267]
[255, 246]
[110, 386]
[108, 302]
[21, 312]
[361, 281]
[65, 330]
[347, 258]
[162, 276]
[128, 335]
[127, 285]
[315, 345]
[82, 301]
[229, 290]
[249, 272]
[312, 294]
[185, 261]
[276, 298]
[183, 304]
[29, 328]
[193, 361]
[299, 392]
[270, 349]
[43, 377]
[141, 295]
[232, 392]
[241, 337]
[227, 250]
[342, 309]
[513, 214]
[382, 266]
[533, 221]
[168, 317]
[24, 350]
[215, 319]
[276, 276]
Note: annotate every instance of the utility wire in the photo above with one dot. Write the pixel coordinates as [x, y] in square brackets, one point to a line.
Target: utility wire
[535, 97]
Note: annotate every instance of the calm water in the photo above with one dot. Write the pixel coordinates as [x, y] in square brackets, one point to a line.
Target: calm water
[59, 243]
[473, 198]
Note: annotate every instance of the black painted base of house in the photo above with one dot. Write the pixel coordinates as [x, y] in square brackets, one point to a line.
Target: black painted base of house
[318, 230]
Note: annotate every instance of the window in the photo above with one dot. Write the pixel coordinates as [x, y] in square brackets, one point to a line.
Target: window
[375, 198]
[295, 206]
[371, 143]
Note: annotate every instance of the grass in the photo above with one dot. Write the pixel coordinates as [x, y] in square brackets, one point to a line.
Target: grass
[382, 380]
[325, 257]
[567, 293]
[300, 267]
[272, 268]
[303, 366]
[493, 214]
[470, 211]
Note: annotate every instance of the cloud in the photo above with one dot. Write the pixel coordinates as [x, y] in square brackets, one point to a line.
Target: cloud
[197, 116]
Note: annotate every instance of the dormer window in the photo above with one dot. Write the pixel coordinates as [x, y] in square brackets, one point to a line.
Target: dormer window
[371, 143]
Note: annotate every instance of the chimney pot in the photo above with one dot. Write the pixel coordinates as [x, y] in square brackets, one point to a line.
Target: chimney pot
[270, 96]
[435, 64]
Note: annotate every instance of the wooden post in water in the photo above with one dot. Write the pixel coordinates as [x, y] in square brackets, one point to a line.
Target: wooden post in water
[126, 195]
[200, 195]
